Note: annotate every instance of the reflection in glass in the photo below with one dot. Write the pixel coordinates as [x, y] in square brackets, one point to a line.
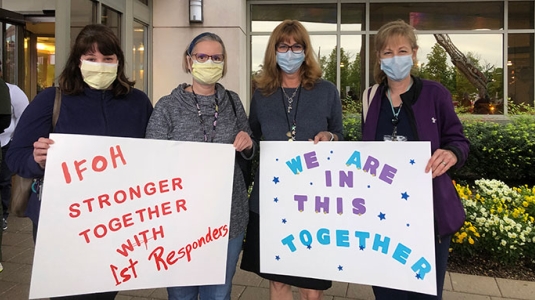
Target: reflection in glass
[83, 12]
[46, 61]
[520, 68]
[315, 17]
[443, 16]
[351, 54]
[521, 15]
[325, 49]
[112, 19]
[353, 17]
[482, 51]
[10, 56]
[140, 56]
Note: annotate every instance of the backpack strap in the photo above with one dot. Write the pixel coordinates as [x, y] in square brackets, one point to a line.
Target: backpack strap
[367, 98]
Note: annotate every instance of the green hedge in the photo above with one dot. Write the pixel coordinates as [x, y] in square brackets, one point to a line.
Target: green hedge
[504, 152]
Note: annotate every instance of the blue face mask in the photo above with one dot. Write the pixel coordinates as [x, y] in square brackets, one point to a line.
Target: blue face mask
[397, 67]
[290, 62]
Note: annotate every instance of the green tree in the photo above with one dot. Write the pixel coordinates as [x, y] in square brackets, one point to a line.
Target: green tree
[330, 67]
[437, 68]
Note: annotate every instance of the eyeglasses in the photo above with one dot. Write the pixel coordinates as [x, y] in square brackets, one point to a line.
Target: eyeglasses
[296, 48]
[201, 57]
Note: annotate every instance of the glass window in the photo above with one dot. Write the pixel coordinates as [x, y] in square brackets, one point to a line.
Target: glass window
[46, 61]
[315, 17]
[83, 12]
[10, 56]
[520, 68]
[351, 65]
[140, 56]
[353, 17]
[325, 48]
[112, 19]
[521, 15]
[440, 16]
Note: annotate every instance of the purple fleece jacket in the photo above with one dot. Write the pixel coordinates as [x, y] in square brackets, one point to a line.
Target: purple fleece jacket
[432, 118]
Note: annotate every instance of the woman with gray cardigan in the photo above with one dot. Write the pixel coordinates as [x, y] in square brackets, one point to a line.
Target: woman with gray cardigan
[204, 111]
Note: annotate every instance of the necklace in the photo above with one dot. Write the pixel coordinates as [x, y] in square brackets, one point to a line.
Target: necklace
[290, 99]
[292, 127]
[395, 119]
[216, 115]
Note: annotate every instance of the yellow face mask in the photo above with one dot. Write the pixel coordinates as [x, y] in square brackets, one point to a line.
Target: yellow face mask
[98, 75]
[207, 72]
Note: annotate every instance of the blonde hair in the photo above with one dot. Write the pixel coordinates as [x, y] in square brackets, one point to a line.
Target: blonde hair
[388, 31]
[269, 78]
[205, 36]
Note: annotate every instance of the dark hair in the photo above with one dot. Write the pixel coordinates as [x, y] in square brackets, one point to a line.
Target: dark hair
[205, 36]
[93, 37]
[270, 78]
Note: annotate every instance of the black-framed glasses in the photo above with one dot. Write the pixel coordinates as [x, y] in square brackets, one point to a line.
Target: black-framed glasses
[296, 48]
[201, 57]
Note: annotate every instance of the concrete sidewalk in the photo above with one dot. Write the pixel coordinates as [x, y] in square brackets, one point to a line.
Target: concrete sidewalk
[18, 256]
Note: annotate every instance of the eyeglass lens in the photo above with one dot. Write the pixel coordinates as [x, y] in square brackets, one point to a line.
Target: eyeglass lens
[296, 48]
[201, 57]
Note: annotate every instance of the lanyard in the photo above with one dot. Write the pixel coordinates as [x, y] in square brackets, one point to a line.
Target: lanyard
[216, 114]
[291, 126]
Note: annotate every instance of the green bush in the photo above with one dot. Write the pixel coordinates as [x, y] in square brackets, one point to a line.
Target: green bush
[504, 152]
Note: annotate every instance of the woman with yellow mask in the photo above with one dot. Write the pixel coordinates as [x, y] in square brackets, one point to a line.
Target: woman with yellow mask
[204, 111]
[96, 99]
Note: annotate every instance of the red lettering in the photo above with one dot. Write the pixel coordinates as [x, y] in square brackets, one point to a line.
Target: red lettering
[66, 173]
[127, 220]
[157, 255]
[115, 155]
[99, 159]
[115, 224]
[103, 233]
[176, 183]
[150, 188]
[181, 204]
[116, 196]
[79, 170]
[74, 211]
[216, 234]
[164, 186]
[166, 208]
[88, 202]
[104, 199]
[84, 234]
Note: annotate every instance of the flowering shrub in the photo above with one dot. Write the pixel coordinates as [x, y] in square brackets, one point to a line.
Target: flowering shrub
[499, 221]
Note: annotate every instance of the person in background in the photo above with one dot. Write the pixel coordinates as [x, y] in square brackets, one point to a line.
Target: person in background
[19, 101]
[204, 111]
[291, 103]
[413, 109]
[97, 99]
[5, 119]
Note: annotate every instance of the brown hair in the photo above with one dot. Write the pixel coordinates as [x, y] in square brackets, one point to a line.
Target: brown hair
[388, 31]
[205, 36]
[94, 37]
[270, 77]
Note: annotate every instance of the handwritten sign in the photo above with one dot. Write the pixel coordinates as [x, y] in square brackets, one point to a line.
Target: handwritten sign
[123, 213]
[359, 212]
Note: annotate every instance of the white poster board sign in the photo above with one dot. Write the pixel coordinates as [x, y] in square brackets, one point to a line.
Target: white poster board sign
[359, 212]
[122, 213]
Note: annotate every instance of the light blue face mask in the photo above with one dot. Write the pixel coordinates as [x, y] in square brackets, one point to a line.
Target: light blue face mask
[290, 62]
[397, 67]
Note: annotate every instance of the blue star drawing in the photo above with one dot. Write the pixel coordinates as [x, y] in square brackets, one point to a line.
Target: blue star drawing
[329, 158]
[276, 159]
[277, 257]
[382, 216]
[311, 183]
[284, 221]
[412, 162]
[276, 180]
[405, 196]
[340, 268]
[309, 246]
[276, 200]
[408, 225]
[369, 186]
[418, 276]
[361, 247]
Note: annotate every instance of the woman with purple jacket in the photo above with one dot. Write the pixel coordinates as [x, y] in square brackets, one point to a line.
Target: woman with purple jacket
[407, 108]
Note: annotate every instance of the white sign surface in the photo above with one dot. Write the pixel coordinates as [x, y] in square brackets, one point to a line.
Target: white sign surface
[123, 213]
[359, 212]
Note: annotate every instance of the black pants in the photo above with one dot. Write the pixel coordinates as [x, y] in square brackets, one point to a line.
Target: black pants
[5, 183]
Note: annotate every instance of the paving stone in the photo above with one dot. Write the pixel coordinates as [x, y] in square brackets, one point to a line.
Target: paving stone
[339, 289]
[254, 293]
[516, 289]
[360, 291]
[475, 284]
[448, 295]
[447, 282]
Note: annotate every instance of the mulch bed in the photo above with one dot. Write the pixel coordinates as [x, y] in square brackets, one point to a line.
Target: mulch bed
[483, 266]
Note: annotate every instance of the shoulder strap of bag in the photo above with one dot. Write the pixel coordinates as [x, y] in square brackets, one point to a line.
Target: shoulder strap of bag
[232, 103]
[367, 99]
[57, 107]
